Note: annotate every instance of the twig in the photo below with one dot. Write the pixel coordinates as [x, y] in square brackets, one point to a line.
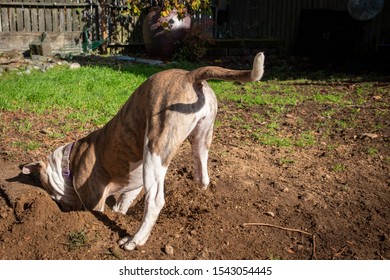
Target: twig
[313, 237]
[338, 254]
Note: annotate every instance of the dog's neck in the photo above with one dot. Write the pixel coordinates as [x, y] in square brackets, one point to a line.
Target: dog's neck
[60, 178]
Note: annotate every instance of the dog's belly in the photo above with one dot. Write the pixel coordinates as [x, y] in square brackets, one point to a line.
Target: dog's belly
[131, 182]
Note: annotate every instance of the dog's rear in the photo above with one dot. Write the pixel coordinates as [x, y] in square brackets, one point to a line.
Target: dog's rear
[172, 124]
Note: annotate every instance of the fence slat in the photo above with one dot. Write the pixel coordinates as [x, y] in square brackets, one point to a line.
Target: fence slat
[48, 19]
[27, 17]
[19, 19]
[41, 19]
[61, 24]
[12, 20]
[34, 19]
[68, 11]
[74, 20]
[4, 19]
[54, 14]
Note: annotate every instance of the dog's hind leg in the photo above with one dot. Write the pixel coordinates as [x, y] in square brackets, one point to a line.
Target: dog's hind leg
[200, 139]
[132, 190]
[153, 176]
[125, 200]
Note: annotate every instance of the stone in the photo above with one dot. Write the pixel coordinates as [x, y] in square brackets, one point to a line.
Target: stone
[41, 46]
[168, 250]
[37, 57]
[369, 135]
[74, 65]
[10, 56]
[270, 213]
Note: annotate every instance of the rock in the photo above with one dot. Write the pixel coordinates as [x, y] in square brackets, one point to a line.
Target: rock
[4, 214]
[168, 249]
[41, 46]
[11, 56]
[74, 65]
[36, 57]
[369, 135]
[270, 213]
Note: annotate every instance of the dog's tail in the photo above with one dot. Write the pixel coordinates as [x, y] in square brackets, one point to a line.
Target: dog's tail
[219, 73]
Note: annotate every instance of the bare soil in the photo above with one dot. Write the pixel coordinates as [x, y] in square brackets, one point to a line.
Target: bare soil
[328, 200]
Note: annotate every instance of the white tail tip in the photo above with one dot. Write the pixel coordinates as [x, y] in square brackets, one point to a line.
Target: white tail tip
[258, 67]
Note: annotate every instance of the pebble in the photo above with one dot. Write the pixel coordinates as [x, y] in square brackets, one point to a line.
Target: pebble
[369, 135]
[74, 65]
[168, 250]
[270, 213]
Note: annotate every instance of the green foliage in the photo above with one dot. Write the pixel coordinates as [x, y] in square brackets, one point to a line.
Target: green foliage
[183, 7]
[77, 239]
[88, 94]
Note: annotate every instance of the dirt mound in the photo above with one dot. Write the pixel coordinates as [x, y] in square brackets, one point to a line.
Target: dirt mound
[247, 187]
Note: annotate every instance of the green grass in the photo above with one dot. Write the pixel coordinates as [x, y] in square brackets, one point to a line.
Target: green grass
[86, 94]
[77, 239]
[338, 167]
[27, 146]
[92, 95]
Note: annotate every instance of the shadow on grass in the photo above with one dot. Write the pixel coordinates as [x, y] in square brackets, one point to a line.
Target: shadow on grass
[277, 67]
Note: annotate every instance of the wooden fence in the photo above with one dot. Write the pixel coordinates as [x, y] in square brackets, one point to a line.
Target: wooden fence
[283, 20]
[67, 21]
[23, 21]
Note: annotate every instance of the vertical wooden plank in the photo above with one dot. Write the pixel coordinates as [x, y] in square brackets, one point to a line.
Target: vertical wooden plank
[68, 17]
[34, 19]
[277, 11]
[274, 18]
[289, 25]
[12, 19]
[54, 16]
[267, 18]
[295, 22]
[27, 17]
[5, 19]
[41, 19]
[48, 18]
[75, 23]
[282, 15]
[61, 24]
[19, 19]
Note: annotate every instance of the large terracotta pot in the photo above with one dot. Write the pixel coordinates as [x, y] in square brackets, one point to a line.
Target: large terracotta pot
[159, 41]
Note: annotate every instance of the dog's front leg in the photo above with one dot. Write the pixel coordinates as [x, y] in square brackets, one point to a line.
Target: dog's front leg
[153, 176]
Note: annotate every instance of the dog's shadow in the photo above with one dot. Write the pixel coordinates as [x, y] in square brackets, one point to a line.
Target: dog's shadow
[33, 181]
[112, 225]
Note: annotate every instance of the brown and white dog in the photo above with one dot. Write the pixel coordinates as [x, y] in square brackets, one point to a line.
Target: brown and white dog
[133, 150]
